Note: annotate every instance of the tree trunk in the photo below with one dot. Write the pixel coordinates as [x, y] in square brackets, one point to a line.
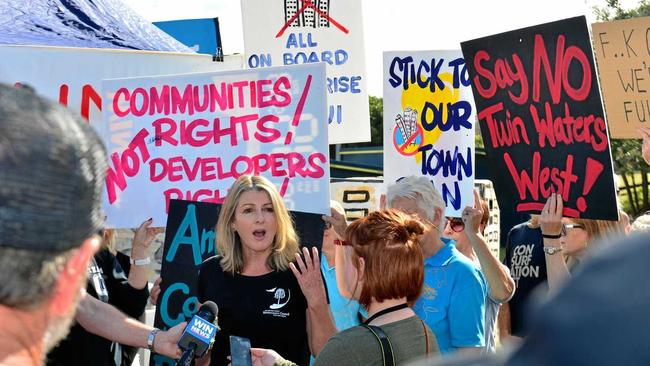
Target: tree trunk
[630, 198]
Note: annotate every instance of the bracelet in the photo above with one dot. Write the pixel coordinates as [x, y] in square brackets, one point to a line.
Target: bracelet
[547, 236]
[341, 242]
[140, 262]
[151, 338]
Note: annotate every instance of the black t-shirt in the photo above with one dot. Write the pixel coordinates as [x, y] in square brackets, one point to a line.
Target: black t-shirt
[270, 310]
[84, 348]
[525, 258]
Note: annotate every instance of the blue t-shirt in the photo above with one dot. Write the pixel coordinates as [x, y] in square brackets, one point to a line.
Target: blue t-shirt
[453, 299]
[344, 311]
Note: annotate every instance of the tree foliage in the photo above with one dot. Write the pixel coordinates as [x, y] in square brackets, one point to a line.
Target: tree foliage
[376, 105]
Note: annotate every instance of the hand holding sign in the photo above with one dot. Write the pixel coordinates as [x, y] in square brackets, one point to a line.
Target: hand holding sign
[337, 221]
[550, 221]
[472, 215]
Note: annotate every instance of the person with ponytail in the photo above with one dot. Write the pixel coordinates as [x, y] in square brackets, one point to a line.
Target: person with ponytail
[385, 274]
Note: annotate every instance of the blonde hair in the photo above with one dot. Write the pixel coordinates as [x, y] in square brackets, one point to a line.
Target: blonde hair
[229, 246]
[600, 230]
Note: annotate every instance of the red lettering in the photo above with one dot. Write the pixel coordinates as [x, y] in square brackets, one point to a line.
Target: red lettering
[88, 93]
[491, 89]
[166, 135]
[139, 112]
[182, 103]
[116, 102]
[273, 134]
[285, 96]
[153, 164]
[159, 103]
[318, 170]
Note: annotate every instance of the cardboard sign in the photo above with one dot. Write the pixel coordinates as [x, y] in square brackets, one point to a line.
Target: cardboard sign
[623, 60]
[291, 32]
[190, 136]
[72, 76]
[541, 117]
[189, 240]
[358, 196]
[429, 123]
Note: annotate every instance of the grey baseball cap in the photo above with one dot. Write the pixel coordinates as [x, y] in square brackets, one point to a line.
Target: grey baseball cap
[52, 167]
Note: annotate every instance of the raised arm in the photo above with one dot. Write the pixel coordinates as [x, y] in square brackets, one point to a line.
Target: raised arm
[502, 286]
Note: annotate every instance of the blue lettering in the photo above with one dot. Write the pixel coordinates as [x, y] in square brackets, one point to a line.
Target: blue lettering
[339, 113]
[446, 162]
[164, 303]
[454, 199]
[344, 84]
[341, 57]
[292, 41]
[297, 41]
[262, 60]
[462, 76]
[401, 65]
[189, 222]
[457, 116]
[207, 239]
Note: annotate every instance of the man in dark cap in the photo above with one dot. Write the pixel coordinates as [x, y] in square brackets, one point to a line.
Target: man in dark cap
[52, 167]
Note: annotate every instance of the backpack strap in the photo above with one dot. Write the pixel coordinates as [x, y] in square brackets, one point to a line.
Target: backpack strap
[387, 355]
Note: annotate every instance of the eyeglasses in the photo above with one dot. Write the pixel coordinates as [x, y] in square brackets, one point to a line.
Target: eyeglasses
[456, 224]
[566, 227]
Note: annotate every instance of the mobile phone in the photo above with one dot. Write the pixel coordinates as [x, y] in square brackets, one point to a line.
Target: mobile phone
[240, 351]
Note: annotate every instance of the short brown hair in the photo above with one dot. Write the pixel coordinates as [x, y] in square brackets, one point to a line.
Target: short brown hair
[388, 242]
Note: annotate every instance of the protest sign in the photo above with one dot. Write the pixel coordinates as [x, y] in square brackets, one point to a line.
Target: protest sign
[623, 56]
[189, 240]
[291, 32]
[358, 196]
[190, 136]
[72, 76]
[541, 117]
[429, 123]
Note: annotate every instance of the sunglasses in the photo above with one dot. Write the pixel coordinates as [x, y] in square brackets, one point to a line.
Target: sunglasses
[566, 227]
[456, 224]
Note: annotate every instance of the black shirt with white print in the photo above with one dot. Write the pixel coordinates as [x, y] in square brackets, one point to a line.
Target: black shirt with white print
[270, 310]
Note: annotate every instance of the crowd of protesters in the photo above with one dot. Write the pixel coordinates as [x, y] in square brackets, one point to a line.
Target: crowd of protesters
[402, 284]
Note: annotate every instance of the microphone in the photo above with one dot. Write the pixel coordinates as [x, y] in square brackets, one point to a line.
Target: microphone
[198, 336]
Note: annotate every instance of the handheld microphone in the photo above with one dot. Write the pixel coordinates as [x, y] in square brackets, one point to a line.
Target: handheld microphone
[198, 336]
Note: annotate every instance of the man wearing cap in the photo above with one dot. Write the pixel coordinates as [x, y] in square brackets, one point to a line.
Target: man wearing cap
[52, 167]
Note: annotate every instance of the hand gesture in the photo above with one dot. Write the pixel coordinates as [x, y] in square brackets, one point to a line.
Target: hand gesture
[472, 216]
[550, 220]
[309, 276]
[264, 357]
[155, 291]
[166, 341]
[144, 236]
[337, 221]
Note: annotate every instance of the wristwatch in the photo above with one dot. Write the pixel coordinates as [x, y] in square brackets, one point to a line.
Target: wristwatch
[151, 338]
[552, 250]
[140, 262]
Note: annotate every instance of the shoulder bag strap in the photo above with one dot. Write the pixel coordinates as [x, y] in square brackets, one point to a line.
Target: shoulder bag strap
[426, 336]
[387, 355]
